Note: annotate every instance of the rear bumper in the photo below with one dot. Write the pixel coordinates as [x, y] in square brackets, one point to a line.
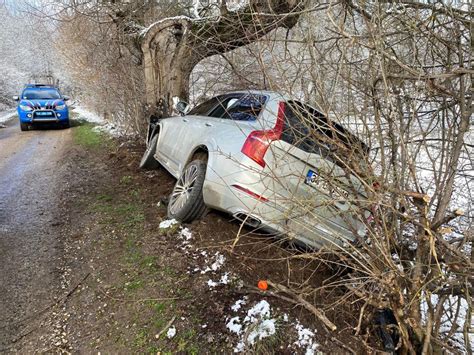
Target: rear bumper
[242, 191]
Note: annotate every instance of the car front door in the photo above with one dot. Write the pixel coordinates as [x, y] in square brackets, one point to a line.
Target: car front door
[187, 132]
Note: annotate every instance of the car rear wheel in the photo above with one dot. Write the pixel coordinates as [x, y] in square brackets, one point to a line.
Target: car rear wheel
[186, 202]
[24, 126]
[148, 160]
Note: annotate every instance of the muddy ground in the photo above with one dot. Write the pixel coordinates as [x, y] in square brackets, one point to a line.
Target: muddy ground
[86, 267]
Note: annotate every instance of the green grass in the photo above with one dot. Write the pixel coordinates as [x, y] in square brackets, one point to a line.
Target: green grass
[129, 215]
[85, 136]
[134, 285]
[126, 180]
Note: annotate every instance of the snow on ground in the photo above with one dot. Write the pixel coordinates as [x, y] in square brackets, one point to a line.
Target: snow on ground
[88, 116]
[7, 115]
[305, 339]
[455, 309]
[239, 303]
[101, 124]
[250, 322]
[171, 332]
[258, 323]
[168, 223]
[256, 326]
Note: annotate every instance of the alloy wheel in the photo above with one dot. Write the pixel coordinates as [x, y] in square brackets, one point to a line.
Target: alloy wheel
[183, 189]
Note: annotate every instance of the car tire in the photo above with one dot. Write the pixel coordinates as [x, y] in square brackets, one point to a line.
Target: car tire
[24, 126]
[66, 125]
[148, 161]
[186, 202]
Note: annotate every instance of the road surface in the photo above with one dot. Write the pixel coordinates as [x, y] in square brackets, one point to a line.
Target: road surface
[30, 244]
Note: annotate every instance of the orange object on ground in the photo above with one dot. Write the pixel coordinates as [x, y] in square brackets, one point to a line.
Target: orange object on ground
[263, 285]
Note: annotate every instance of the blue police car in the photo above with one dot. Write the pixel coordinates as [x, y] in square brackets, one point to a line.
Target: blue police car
[40, 104]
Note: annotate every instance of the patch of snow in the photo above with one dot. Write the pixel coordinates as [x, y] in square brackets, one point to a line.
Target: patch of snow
[110, 129]
[211, 283]
[305, 339]
[236, 5]
[451, 317]
[168, 223]
[7, 116]
[195, 11]
[256, 325]
[263, 329]
[234, 325]
[240, 347]
[88, 116]
[216, 265]
[238, 304]
[220, 259]
[224, 280]
[260, 310]
[145, 30]
[186, 234]
[171, 332]
[102, 125]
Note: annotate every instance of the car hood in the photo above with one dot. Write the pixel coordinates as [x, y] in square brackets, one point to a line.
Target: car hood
[38, 104]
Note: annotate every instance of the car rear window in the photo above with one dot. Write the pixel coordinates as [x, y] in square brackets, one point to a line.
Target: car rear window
[35, 94]
[309, 130]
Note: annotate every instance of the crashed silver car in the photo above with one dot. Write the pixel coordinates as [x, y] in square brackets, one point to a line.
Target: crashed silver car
[267, 160]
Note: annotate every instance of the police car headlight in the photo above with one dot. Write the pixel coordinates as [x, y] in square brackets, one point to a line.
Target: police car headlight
[25, 108]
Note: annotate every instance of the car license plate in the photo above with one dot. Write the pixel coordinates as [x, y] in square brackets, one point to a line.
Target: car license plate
[332, 189]
[311, 178]
[44, 113]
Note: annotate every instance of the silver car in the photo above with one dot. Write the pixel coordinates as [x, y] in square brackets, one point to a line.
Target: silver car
[267, 160]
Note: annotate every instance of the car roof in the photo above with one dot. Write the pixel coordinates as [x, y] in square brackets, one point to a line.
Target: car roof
[40, 87]
[272, 94]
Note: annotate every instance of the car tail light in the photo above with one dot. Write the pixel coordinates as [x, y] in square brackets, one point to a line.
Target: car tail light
[257, 142]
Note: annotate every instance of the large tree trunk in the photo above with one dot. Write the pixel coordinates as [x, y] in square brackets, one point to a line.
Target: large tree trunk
[168, 62]
[174, 46]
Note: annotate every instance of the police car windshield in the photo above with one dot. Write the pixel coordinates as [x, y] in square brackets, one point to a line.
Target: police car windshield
[41, 94]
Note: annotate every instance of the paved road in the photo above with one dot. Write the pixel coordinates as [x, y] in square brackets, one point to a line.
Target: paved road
[30, 165]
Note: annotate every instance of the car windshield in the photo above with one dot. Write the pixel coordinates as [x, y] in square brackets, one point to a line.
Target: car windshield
[40, 94]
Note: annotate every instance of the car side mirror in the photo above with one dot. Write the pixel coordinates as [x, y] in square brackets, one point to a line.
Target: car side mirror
[16, 98]
[182, 107]
[66, 98]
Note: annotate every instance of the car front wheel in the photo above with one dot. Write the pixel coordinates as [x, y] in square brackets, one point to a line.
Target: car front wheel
[24, 126]
[186, 202]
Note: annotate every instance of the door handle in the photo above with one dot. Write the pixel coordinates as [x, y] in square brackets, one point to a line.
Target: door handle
[208, 124]
[185, 120]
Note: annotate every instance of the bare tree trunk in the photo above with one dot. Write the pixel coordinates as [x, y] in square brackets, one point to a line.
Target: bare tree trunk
[168, 62]
[174, 46]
